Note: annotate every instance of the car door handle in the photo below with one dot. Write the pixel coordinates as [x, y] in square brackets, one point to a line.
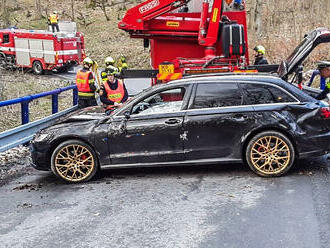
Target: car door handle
[172, 121]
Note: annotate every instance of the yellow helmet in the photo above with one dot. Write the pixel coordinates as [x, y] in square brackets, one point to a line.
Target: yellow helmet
[260, 49]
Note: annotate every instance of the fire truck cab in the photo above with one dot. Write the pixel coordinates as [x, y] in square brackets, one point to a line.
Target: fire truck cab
[40, 50]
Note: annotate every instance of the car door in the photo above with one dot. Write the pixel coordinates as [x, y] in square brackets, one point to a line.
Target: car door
[152, 132]
[215, 121]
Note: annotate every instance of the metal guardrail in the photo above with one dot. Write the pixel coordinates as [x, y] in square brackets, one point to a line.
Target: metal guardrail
[24, 133]
[24, 101]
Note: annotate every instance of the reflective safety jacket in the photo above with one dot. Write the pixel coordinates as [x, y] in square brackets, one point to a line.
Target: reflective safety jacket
[115, 95]
[82, 82]
[53, 18]
[123, 66]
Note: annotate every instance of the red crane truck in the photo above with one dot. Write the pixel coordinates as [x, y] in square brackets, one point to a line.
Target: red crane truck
[211, 40]
[40, 50]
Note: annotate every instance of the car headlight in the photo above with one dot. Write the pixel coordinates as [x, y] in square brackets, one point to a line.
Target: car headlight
[42, 137]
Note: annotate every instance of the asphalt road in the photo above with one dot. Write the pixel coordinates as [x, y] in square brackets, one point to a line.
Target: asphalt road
[207, 206]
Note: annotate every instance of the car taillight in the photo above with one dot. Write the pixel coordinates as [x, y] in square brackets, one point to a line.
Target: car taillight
[325, 112]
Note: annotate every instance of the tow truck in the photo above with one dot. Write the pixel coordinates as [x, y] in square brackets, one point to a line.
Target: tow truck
[212, 39]
[209, 40]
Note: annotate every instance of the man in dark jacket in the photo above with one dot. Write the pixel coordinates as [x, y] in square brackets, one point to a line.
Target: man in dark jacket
[259, 56]
[86, 85]
[113, 92]
[324, 68]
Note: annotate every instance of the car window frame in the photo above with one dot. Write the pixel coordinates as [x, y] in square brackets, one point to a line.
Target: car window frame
[194, 92]
[187, 85]
[270, 85]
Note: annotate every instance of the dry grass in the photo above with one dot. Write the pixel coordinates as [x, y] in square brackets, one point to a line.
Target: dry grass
[15, 84]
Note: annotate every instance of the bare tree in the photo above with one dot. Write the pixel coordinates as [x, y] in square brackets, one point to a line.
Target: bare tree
[72, 10]
[4, 14]
[38, 8]
[258, 17]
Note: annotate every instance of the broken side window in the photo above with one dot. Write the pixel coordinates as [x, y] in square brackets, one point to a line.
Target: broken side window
[167, 101]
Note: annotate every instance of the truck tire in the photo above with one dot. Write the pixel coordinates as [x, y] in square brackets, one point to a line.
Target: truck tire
[37, 67]
[3, 60]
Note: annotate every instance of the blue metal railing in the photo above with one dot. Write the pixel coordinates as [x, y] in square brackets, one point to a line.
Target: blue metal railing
[24, 101]
[23, 134]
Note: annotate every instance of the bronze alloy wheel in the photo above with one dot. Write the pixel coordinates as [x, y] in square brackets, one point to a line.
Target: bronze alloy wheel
[270, 154]
[74, 161]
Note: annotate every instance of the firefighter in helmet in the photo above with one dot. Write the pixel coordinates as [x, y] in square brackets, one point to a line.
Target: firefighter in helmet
[86, 85]
[324, 68]
[260, 56]
[122, 65]
[113, 91]
[53, 21]
[109, 65]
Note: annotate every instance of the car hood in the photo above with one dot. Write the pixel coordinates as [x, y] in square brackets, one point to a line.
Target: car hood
[311, 40]
[83, 115]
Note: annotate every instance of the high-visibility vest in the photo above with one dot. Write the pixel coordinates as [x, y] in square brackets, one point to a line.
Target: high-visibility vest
[53, 18]
[82, 82]
[123, 66]
[327, 83]
[104, 76]
[115, 95]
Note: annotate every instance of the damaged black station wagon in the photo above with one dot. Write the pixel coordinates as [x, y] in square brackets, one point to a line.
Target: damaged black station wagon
[260, 120]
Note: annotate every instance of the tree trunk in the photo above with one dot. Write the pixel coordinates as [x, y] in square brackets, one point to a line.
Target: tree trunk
[72, 10]
[258, 17]
[104, 10]
[38, 8]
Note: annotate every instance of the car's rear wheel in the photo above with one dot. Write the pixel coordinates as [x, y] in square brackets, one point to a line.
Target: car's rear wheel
[74, 161]
[270, 154]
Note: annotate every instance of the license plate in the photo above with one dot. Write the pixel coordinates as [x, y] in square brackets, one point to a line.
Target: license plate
[166, 68]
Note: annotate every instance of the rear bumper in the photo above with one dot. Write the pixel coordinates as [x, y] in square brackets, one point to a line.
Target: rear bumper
[314, 145]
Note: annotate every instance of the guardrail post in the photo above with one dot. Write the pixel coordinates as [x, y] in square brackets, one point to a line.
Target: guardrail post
[54, 103]
[75, 96]
[25, 112]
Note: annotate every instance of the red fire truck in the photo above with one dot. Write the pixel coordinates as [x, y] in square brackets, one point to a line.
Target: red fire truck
[40, 50]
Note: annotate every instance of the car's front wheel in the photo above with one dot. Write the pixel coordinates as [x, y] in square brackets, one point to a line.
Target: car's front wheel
[74, 161]
[270, 154]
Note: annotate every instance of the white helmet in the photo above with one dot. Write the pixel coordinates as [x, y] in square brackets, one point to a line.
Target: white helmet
[88, 61]
[109, 61]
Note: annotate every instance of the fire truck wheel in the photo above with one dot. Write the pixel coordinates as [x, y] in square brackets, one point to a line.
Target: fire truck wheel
[2, 59]
[37, 67]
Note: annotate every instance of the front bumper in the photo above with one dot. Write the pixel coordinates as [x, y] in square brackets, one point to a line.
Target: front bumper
[40, 160]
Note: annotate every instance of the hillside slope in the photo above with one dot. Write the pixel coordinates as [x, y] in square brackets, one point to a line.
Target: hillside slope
[277, 24]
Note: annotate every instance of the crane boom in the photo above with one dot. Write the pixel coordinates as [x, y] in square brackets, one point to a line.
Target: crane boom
[211, 38]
